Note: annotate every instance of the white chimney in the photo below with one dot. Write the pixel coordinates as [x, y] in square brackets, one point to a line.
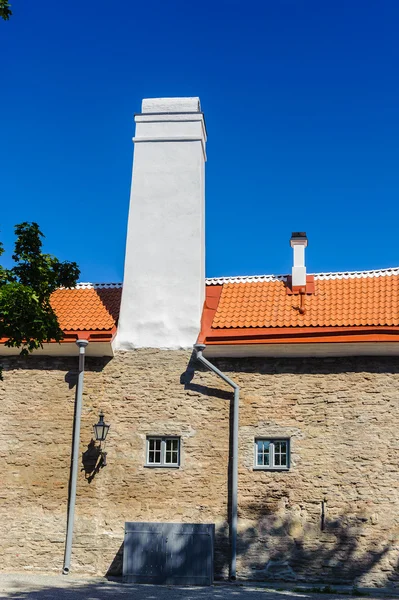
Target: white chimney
[298, 242]
[164, 278]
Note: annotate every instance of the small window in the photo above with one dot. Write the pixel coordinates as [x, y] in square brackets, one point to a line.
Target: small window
[163, 451]
[272, 454]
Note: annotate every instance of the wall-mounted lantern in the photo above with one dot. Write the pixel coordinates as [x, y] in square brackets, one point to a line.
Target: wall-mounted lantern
[95, 458]
[100, 429]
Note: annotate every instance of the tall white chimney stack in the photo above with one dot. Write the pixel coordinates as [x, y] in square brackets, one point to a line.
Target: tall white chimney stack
[164, 278]
[298, 242]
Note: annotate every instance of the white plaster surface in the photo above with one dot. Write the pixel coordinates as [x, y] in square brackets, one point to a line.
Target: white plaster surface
[299, 269]
[298, 276]
[164, 278]
[171, 105]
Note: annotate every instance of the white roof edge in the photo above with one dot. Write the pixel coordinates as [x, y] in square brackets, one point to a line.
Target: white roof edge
[258, 278]
[95, 286]
[244, 279]
[340, 275]
[358, 274]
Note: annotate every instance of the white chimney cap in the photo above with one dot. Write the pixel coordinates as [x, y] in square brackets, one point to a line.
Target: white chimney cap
[171, 105]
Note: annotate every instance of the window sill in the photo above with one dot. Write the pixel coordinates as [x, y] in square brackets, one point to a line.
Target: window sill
[270, 468]
[162, 466]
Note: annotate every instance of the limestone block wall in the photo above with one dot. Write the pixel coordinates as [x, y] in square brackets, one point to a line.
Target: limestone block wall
[141, 394]
[341, 415]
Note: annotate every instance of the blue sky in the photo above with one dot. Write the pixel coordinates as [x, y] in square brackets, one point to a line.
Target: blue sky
[301, 100]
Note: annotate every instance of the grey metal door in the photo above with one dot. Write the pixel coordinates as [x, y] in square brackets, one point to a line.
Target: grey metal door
[174, 553]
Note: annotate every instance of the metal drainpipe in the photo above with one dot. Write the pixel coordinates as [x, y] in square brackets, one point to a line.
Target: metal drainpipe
[75, 457]
[234, 479]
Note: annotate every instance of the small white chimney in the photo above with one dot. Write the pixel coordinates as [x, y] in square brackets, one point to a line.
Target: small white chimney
[298, 242]
[164, 277]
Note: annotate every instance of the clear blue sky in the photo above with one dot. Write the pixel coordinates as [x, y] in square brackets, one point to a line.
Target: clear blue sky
[301, 99]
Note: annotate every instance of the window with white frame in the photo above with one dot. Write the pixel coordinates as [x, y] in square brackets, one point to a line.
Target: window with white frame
[163, 451]
[272, 454]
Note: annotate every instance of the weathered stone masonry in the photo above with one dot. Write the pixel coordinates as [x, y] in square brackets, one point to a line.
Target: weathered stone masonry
[342, 416]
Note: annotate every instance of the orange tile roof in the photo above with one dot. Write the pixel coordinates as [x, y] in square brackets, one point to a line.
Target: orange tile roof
[350, 300]
[91, 308]
[257, 309]
[336, 302]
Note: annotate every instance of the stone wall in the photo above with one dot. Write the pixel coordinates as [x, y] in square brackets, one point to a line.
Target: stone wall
[342, 416]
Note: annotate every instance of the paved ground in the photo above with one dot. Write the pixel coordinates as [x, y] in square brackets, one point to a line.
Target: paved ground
[39, 587]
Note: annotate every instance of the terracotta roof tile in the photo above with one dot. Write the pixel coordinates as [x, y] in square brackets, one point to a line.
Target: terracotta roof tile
[359, 301]
[87, 307]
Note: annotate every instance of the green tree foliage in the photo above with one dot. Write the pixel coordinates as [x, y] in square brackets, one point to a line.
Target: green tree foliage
[5, 10]
[27, 319]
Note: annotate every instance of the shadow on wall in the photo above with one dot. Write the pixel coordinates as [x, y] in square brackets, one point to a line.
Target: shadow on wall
[167, 553]
[309, 365]
[68, 364]
[276, 548]
[93, 460]
[284, 548]
[280, 545]
[220, 564]
[111, 299]
[35, 362]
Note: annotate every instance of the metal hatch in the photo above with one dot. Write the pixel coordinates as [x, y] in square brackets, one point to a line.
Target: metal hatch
[171, 553]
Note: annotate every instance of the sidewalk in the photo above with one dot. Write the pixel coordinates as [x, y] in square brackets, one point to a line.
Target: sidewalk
[43, 587]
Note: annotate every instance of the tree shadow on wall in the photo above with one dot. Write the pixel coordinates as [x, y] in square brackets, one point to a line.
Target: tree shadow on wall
[285, 548]
[276, 548]
[279, 548]
[338, 560]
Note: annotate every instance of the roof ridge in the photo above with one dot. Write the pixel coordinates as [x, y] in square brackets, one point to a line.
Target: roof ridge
[259, 278]
[87, 285]
[321, 276]
[244, 279]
